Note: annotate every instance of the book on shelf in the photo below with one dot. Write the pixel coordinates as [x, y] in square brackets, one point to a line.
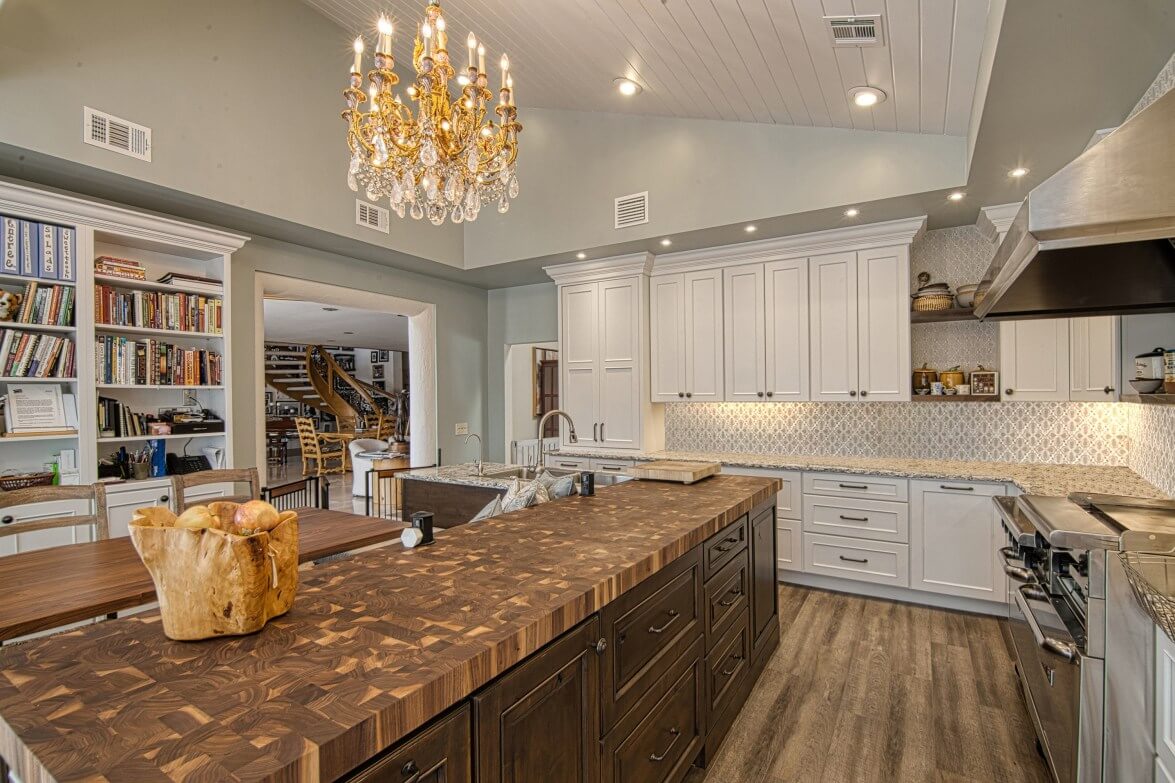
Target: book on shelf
[117, 420]
[111, 266]
[149, 362]
[194, 282]
[35, 355]
[182, 312]
[39, 250]
[46, 305]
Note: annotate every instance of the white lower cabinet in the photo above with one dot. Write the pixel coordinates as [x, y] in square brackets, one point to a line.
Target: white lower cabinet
[567, 463]
[954, 535]
[1164, 706]
[881, 562]
[789, 547]
[12, 544]
[611, 465]
[874, 519]
[121, 503]
[789, 552]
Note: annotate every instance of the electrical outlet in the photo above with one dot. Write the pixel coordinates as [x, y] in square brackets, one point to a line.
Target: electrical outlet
[463, 428]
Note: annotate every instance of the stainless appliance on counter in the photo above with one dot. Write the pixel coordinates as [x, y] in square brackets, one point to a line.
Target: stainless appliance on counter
[1082, 644]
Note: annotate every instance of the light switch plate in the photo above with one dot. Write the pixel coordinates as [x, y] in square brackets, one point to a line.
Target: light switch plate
[463, 428]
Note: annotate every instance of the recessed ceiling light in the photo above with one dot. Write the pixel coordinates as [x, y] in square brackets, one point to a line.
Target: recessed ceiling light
[866, 96]
[581, 256]
[626, 86]
[852, 212]
[1018, 172]
[666, 242]
[956, 196]
[331, 309]
[752, 228]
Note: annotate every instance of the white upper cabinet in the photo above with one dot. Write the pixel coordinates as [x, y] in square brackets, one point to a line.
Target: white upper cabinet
[619, 389]
[883, 324]
[834, 326]
[1093, 358]
[786, 316]
[1034, 359]
[667, 338]
[745, 334]
[686, 332]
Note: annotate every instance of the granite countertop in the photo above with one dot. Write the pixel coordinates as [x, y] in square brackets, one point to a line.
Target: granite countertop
[1031, 477]
[465, 473]
[373, 648]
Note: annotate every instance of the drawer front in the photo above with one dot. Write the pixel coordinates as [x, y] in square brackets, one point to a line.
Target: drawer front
[664, 741]
[569, 463]
[726, 666]
[724, 546]
[846, 485]
[788, 501]
[611, 465]
[789, 552]
[879, 520]
[726, 597]
[439, 752]
[856, 558]
[647, 629]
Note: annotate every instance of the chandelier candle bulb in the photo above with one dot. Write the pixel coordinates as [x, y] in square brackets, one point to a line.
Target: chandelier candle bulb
[471, 44]
[442, 36]
[358, 47]
[481, 58]
[385, 35]
[505, 69]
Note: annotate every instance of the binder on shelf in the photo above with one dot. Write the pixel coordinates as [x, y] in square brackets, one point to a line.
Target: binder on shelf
[10, 260]
[48, 251]
[29, 248]
[67, 254]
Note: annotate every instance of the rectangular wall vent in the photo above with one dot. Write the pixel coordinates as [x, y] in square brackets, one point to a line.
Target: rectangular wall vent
[373, 217]
[855, 30]
[632, 210]
[115, 134]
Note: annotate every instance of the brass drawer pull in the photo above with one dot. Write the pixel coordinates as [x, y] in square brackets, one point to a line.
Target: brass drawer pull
[854, 519]
[727, 672]
[661, 629]
[854, 559]
[675, 733]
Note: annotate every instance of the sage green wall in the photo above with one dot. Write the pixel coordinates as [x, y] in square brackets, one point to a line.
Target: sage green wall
[525, 314]
[243, 99]
[461, 318]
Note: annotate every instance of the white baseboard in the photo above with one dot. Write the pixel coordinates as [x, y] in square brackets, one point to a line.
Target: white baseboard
[904, 594]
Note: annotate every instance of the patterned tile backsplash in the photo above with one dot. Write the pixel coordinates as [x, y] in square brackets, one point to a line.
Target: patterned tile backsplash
[1151, 430]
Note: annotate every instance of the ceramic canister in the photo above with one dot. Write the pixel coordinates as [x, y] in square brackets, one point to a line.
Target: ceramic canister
[1169, 372]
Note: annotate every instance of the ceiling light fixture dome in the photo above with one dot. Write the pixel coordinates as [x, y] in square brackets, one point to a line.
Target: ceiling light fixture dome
[956, 196]
[866, 97]
[1018, 172]
[626, 86]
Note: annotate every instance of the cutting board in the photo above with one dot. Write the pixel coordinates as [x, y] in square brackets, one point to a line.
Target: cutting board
[674, 470]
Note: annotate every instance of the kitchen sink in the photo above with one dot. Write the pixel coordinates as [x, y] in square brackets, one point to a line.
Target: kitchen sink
[526, 474]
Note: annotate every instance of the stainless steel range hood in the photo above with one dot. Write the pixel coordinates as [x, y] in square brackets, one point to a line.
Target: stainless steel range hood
[1096, 237]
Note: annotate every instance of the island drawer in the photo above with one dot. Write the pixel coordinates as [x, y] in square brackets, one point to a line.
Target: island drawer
[881, 520]
[724, 546]
[726, 597]
[568, 463]
[857, 558]
[658, 740]
[726, 667]
[440, 751]
[647, 629]
[848, 485]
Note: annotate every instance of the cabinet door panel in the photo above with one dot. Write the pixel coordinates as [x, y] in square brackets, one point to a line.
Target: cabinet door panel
[579, 400]
[1034, 359]
[618, 324]
[764, 579]
[883, 307]
[667, 338]
[744, 333]
[578, 357]
[618, 392]
[121, 505]
[833, 302]
[786, 312]
[703, 336]
[1093, 358]
[618, 407]
[440, 753]
[954, 535]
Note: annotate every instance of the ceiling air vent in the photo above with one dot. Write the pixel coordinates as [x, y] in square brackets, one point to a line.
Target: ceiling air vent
[373, 217]
[632, 210]
[117, 135]
[855, 30]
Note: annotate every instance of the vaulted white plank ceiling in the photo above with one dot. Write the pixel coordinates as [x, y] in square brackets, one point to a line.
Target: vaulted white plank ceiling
[769, 61]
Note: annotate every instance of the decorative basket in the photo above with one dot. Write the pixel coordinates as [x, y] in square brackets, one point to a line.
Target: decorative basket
[212, 583]
[934, 302]
[26, 480]
[1152, 580]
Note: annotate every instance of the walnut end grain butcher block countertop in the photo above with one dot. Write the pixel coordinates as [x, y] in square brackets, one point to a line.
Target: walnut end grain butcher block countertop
[374, 647]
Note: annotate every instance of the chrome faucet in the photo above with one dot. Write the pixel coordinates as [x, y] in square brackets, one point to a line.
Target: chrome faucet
[571, 437]
[479, 463]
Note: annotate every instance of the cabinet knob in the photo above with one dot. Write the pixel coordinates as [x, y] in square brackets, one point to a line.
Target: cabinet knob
[1108, 390]
[759, 393]
[770, 394]
[7, 520]
[681, 394]
[864, 393]
[599, 646]
[852, 392]
[164, 498]
[689, 394]
[410, 768]
[1008, 392]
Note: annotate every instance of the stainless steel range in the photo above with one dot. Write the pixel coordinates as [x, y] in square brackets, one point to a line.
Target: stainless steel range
[1081, 643]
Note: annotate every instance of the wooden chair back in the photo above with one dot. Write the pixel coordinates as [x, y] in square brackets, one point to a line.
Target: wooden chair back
[94, 493]
[185, 481]
[312, 492]
[307, 436]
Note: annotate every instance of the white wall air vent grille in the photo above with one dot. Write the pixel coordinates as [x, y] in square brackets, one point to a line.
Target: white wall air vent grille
[855, 30]
[115, 134]
[373, 217]
[632, 210]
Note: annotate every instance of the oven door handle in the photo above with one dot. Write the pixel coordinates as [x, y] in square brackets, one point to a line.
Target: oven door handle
[1066, 650]
[1019, 573]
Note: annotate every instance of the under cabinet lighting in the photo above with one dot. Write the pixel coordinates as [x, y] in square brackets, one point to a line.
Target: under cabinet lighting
[581, 256]
[666, 242]
[751, 229]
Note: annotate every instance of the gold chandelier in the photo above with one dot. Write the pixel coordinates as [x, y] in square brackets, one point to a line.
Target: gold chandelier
[447, 159]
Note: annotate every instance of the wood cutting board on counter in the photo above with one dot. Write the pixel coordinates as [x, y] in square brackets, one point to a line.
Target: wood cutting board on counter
[674, 470]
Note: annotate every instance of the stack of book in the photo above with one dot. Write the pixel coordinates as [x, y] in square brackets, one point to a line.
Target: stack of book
[121, 360]
[110, 266]
[32, 355]
[47, 306]
[193, 282]
[157, 310]
[116, 420]
[31, 249]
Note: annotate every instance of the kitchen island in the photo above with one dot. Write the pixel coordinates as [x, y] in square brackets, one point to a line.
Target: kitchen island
[664, 580]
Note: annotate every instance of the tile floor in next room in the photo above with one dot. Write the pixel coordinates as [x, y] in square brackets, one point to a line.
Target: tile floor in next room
[863, 690]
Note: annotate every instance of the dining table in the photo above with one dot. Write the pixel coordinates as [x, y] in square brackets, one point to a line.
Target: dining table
[49, 588]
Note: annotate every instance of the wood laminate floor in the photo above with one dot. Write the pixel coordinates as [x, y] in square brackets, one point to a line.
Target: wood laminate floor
[863, 689]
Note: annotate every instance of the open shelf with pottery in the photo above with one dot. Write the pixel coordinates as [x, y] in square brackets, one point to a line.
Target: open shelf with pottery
[939, 316]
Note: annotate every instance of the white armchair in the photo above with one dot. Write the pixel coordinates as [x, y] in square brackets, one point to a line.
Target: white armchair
[360, 465]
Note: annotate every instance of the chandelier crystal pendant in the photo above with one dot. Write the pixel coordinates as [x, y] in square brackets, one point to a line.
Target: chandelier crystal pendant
[445, 160]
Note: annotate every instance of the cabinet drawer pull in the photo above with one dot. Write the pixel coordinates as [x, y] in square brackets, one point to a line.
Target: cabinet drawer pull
[734, 596]
[1108, 390]
[854, 519]
[8, 519]
[568, 465]
[411, 769]
[661, 628]
[733, 668]
[721, 548]
[957, 489]
[853, 486]
[854, 559]
[613, 468]
[599, 646]
[675, 733]
[595, 432]
[164, 498]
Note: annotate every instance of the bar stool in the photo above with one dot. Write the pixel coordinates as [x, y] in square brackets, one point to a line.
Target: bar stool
[276, 452]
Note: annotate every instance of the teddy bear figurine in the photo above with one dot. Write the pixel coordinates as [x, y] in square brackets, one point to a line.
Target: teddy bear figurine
[9, 305]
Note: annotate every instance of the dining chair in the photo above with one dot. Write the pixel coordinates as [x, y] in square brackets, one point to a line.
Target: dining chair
[321, 449]
[185, 481]
[311, 492]
[15, 522]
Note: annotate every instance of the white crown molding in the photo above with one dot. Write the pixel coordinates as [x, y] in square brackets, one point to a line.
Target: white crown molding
[993, 222]
[836, 240]
[601, 268]
[35, 204]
